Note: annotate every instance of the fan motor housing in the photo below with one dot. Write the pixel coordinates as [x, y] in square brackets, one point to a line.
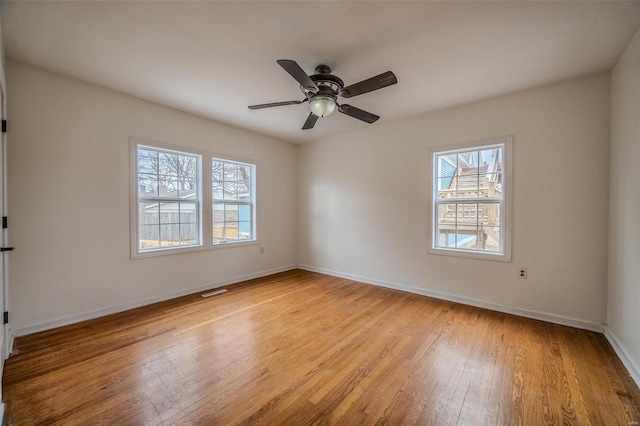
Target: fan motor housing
[328, 79]
[328, 84]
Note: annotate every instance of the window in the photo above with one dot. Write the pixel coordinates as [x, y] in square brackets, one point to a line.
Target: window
[470, 200]
[168, 198]
[172, 191]
[232, 189]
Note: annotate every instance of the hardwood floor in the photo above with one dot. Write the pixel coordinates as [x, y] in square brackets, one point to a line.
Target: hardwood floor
[301, 348]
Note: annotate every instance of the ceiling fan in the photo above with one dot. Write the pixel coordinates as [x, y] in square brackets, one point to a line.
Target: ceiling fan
[322, 89]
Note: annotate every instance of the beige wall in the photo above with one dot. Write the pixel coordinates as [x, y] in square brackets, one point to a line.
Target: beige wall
[623, 313]
[69, 201]
[363, 203]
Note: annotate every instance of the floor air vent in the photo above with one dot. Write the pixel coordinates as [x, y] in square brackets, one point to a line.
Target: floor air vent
[213, 293]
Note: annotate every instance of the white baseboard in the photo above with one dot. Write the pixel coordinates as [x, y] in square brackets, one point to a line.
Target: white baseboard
[107, 310]
[527, 313]
[623, 354]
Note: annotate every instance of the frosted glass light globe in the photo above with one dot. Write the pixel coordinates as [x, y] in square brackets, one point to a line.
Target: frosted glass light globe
[322, 106]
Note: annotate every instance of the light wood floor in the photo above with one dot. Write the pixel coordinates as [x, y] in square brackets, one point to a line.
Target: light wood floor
[301, 348]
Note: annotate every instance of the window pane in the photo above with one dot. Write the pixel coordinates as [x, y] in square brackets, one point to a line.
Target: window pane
[187, 189]
[147, 161]
[218, 213]
[244, 230]
[468, 163]
[188, 213]
[217, 190]
[244, 212]
[231, 213]
[187, 167]
[447, 214]
[491, 235]
[446, 187]
[489, 214]
[245, 174]
[173, 186]
[231, 230]
[244, 190]
[218, 232]
[446, 225]
[169, 213]
[168, 186]
[188, 234]
[467, 214]
[467, 187]
[467, 237]
[467, 180]
[168, 164]
[149, 236]
[447, 165]
[230, 191]
[463, 238]
[490, 156]
[446, 238]
[169, 235]
[148, 213]
[231, 172]
[217, 170]
[492, 185]
[147, 185]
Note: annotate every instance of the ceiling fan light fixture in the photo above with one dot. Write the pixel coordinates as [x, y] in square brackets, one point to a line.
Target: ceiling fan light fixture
[322, 106]
[321, 91]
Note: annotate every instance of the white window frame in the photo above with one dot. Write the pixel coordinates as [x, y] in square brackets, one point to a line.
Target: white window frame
[204, 200]
[251, 203]
[506, 143]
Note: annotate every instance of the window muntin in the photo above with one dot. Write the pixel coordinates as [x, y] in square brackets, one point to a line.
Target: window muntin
[168, 199]
[232, 197]
[470, 200]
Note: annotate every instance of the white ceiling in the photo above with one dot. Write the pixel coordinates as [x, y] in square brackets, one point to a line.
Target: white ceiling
[214, 59]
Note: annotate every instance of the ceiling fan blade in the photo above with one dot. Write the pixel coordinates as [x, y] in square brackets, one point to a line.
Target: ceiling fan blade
[275, 104]
[369, 85]
[311, 121]
[354, 112]
[298, 73]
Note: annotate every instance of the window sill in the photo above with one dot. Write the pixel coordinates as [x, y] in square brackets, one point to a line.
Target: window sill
[500, 257]
[192, 249]
[234, 244]
[166, 252]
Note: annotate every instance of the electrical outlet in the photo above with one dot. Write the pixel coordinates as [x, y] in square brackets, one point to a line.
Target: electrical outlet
[523, 273]
[261, 250]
